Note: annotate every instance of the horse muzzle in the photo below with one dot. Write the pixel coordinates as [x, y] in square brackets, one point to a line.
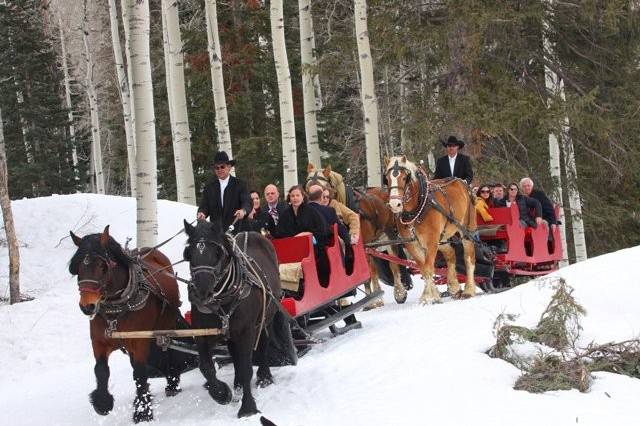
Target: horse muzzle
[89, 303]
[395, 204]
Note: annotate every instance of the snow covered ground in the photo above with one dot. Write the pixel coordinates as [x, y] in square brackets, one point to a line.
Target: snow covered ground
[408, 365]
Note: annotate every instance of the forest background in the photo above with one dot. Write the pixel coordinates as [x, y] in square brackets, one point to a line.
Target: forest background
[471, 68]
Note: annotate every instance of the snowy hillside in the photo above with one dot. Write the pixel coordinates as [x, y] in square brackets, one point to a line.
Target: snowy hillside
[409, 365]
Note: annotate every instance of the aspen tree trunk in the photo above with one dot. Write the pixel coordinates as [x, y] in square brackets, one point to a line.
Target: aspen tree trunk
[125, 95]
[127, 51]
[289, 151]
[368, 95]
[309, 75]
[67, 98]
[9, 228]
[147, 199]
[551, 81]
[217, 80]
[96, 146]
[181, 137]
[575, 204]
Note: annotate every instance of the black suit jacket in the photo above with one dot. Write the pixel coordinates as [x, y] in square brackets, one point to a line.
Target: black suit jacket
[331, 217]
[236, 197]
[548, 210]
[461, 169]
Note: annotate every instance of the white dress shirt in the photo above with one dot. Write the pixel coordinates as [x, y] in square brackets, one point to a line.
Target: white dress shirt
[452, 163]
[223, 186]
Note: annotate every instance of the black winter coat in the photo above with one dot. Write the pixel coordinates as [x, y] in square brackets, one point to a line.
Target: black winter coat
[461, 169]
[236, 197]
[307, 220]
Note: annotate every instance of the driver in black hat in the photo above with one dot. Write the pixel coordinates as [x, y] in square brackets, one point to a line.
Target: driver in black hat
[226, 197]
[454, 164]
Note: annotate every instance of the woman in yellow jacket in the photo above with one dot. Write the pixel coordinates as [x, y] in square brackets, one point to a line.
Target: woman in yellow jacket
[484, 200]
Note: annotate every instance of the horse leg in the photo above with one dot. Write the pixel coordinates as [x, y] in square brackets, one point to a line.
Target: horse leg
[173, 379]
[264, 372]
[453, 285]
[470, 264]
[236, 376]
[373, 284]
[101, 399]
[399, 290]
[142, 410]
[430, 294]
[244, 342]
[218, 390]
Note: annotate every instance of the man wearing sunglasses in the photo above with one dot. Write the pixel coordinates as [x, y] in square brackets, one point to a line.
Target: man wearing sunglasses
[454, 164]
[224, 198]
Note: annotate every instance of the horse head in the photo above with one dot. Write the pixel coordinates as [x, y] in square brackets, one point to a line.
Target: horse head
[398, 171]
[101, 266]
[208, 252]
[326, 178]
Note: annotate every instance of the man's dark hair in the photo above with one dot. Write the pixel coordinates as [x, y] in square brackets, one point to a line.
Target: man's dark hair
[315, 195]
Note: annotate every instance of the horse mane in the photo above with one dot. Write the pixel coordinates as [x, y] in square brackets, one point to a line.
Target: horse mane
[91, 245]
[402, 162]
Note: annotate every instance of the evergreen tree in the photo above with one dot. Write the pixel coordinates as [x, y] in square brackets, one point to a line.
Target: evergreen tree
[39, 150]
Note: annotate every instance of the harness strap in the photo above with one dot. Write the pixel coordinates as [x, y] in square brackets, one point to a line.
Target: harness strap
[451, 219]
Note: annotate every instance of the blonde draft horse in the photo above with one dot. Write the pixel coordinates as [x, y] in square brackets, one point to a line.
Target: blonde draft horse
[417, 201]
[326, 177]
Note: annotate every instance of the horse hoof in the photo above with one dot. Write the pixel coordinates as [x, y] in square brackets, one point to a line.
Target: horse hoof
[374, 305]
[400, 297]
[101, 402]
[142, 411]
[142, 416]
[429, 301]
[172, 390]
[263, 382]
[248, 409]
[221, 393]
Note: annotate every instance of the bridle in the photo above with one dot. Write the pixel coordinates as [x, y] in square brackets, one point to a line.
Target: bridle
[225, 282]
[96, 286]
[395, 172]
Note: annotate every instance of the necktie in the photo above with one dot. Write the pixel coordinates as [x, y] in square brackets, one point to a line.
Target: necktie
[274, 214]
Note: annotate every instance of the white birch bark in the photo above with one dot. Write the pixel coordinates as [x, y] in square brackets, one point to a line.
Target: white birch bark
[217, 80]
[9, 228]
[573, 194]
[368, 95]
[67, 98]
[96, 146]
[142, 89]
[180, 135]
[125, 95]
[285, 97]
[309, 76]
[551, 84]
[127, 51]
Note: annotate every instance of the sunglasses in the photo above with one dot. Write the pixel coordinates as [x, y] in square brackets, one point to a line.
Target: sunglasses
[484, 191]
[220, 167]
[513, 189]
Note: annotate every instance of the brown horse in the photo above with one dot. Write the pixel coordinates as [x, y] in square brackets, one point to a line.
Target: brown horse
[378, 221]
[119, 293]
[435, 211]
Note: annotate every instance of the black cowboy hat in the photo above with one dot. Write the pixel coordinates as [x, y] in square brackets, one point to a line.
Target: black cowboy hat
[451, 141]
[221, 157]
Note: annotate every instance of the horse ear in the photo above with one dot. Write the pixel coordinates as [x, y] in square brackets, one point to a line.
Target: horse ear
[188, 228]
[104, 237]
[404, 158]
[310, 168]
[76, 240]
[386, 161]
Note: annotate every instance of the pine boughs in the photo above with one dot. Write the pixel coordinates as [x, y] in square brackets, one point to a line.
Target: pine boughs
[548, 355]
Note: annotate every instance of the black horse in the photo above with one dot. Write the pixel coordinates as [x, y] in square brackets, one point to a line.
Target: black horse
[235, 285]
